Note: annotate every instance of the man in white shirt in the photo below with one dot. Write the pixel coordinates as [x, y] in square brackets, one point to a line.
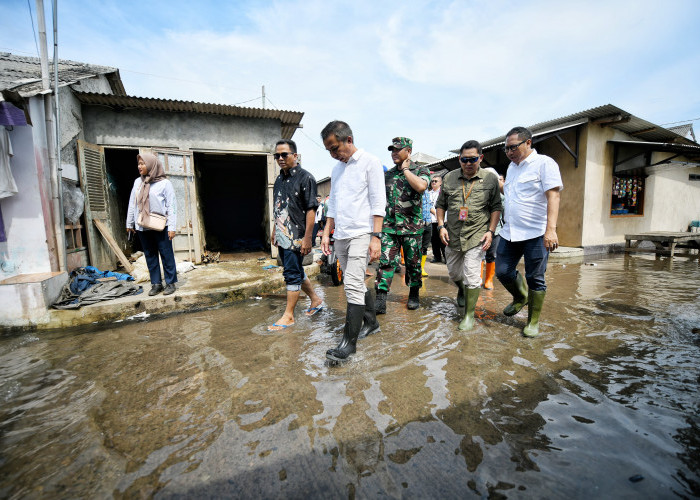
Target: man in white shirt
[531, 190]
[356, 211]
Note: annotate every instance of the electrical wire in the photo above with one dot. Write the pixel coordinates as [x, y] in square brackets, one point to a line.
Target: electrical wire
[36, 43]
[682, 121]
[301, 129]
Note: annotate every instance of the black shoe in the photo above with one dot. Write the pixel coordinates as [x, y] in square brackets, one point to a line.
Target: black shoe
[169, 288]
[435, 261]
[413, 298]
[380, 306]
[370, 324]
[347, 346]
[155, 289]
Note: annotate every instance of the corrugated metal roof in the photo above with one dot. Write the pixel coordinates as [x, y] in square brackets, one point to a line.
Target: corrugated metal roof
[290, 119]
[630, 124]
[688, 150]
[619, 119]
[22, 74]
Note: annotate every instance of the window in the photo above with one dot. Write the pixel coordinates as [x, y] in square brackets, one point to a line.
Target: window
[627, 196]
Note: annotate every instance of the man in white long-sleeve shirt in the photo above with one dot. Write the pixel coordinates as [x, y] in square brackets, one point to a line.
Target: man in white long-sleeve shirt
[356, 211]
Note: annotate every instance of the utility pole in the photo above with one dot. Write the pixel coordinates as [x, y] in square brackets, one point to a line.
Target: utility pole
[59, 233]
[263, 96]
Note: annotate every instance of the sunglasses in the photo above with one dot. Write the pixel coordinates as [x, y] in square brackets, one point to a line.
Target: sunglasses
[469, 159]
[281, 155]
[513, 147]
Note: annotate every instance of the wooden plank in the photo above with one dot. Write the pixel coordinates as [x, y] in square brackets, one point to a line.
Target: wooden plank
[113, 245]
[662, 252]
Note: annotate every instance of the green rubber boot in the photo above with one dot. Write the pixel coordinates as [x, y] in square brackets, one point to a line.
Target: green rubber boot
[468, 321]
[518, 289]
[535, 299]
[460, 293]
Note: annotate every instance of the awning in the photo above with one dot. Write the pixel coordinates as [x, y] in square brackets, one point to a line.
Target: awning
[452, 162]
[634, 157]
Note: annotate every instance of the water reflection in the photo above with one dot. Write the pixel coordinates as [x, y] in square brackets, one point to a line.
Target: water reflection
[211, 404]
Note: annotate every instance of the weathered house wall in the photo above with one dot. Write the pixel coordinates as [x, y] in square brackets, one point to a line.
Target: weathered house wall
[670, 200]
[570, 219]
[185, 131]
[27, 214]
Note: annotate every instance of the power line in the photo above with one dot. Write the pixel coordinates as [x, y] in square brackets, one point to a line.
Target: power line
[31, 17]
[179, 79]
[682, 121]
[301, 129]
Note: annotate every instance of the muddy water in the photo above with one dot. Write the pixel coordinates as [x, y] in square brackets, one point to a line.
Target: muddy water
[212, 405]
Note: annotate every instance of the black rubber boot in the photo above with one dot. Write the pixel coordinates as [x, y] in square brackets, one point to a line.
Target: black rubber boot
[460, 293]
[518, 289]
[353, 323]
[370, 324]
[413, 298]
[380, 306]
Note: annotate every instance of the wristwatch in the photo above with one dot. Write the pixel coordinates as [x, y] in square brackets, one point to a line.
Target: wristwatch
[378, 235]
[440, 227]
[492, 233]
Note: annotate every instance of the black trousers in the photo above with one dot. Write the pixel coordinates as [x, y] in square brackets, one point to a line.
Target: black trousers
[438, 246]
[427, 238]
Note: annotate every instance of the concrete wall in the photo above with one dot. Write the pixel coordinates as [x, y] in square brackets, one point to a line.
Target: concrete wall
[184, 131]
[570, 220]
[27, 214]
[98, 84]
[71, 120]
[670, 200]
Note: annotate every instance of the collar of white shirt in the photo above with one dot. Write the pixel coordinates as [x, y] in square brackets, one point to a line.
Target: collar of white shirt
[530, 158]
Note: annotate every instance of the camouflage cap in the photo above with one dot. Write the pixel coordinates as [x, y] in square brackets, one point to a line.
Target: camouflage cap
[400, 143]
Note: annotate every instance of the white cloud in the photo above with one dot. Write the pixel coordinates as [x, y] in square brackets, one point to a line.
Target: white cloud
[439, 72]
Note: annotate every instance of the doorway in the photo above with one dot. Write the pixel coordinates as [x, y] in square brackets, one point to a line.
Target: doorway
[121, 172]
[231, 190]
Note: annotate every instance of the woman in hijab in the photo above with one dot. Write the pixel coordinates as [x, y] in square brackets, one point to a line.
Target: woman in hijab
[151, 196]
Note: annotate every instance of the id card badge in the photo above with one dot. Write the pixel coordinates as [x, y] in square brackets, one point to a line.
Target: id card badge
[463, 213]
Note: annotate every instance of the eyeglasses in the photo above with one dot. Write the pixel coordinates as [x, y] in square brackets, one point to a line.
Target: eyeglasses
[435, 180]
[513, 147]
[281, 155]
[469, 159]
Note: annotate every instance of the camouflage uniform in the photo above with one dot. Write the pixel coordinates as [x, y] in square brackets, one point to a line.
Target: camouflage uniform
[403, 227]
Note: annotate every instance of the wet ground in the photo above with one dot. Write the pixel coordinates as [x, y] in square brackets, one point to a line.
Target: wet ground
[603, 404]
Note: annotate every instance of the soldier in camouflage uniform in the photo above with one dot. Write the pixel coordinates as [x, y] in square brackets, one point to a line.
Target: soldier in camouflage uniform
[403, 222]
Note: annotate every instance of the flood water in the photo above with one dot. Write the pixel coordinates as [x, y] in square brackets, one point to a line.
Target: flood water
[209, 404]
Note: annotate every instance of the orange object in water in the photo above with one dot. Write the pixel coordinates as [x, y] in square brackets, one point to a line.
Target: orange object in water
[489, 274]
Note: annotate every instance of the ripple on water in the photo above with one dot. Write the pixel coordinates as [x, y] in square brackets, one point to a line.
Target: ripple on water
[212, 404]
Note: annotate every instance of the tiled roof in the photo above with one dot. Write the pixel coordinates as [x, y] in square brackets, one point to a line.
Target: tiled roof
[22, 74]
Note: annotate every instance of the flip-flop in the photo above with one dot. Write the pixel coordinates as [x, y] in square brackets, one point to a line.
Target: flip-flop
[313, 310]
[274, 327]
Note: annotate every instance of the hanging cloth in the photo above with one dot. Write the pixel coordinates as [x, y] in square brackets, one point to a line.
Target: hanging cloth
[8, 187]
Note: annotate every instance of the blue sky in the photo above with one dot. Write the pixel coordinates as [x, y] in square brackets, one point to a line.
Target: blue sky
[438, 72]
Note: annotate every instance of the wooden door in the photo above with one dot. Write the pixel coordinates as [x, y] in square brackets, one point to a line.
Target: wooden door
[91, 164]
[179, 167]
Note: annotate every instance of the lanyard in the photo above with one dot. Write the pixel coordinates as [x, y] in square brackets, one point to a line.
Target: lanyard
[464, 193]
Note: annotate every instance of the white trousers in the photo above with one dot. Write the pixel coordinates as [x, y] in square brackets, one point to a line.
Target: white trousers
[353, 256]
[465, 266]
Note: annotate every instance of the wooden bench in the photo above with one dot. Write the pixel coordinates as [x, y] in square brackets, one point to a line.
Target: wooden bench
[665, 243]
